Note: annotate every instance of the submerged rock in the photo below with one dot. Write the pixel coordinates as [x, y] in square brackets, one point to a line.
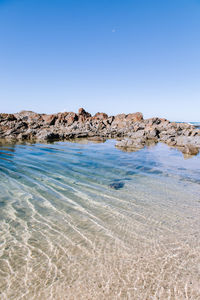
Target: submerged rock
[190, 150]
[116, 185]
[131, 144]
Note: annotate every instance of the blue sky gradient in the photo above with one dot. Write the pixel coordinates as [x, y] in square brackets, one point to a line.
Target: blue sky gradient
[112, 56]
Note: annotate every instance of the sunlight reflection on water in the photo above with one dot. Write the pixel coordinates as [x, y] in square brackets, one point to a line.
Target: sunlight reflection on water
[67, 232]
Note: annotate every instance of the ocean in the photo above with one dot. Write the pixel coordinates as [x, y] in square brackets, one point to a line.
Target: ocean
[88, 221]
[196, 124]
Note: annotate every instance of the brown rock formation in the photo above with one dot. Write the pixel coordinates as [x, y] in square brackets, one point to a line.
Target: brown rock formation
[134, 131]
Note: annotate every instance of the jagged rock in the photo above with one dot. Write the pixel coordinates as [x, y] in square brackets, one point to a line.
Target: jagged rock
[61, 118]
[49, 119]
[190, 150]
[119, 121]
[137, 134]
[128, 144]
[135, 117]
[83, 115]
[47, 135]
[154, 133]
[71, 118]
[110, 120]
[100, 116]
[7, 117]
[171, 141]
[134, 131]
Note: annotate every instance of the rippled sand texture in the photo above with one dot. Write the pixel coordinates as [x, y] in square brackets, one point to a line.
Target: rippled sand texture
[66, 234]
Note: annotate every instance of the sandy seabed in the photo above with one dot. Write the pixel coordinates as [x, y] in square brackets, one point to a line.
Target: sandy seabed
[65, 234]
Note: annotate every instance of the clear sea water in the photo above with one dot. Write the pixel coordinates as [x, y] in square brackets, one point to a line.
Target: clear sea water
[66, 233]
[196, 124]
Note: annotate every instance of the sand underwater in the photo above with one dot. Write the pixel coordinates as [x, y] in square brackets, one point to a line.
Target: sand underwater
[88, 221]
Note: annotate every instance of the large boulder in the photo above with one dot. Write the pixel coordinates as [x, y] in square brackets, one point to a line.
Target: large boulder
[135, 117]
[7, 117]
[61, 118]
[49, 119]
[47, 135]
[100, 116]
[131, 144]
[190, 150]
[119, 121]
[83, 115]
[71, 118]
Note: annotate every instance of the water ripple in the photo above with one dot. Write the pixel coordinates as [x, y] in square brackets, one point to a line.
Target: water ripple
[65, 233]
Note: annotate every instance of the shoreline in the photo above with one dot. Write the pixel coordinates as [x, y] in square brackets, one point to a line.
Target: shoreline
[131, 131]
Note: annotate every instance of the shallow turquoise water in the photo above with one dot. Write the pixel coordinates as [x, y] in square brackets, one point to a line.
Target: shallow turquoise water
[65, 233]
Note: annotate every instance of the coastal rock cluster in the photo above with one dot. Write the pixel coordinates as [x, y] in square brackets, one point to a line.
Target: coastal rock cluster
[132, 131]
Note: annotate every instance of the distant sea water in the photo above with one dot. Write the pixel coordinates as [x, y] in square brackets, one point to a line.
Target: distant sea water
[196, 124]
[88, 221]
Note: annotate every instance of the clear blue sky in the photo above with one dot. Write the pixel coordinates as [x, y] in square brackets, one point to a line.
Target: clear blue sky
[106, 55]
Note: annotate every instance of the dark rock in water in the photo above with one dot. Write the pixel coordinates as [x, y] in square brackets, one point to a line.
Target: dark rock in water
[131, 172]
[116, 185]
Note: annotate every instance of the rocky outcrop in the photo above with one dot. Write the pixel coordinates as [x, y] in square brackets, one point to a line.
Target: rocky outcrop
[132, 131]
[183, 136]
